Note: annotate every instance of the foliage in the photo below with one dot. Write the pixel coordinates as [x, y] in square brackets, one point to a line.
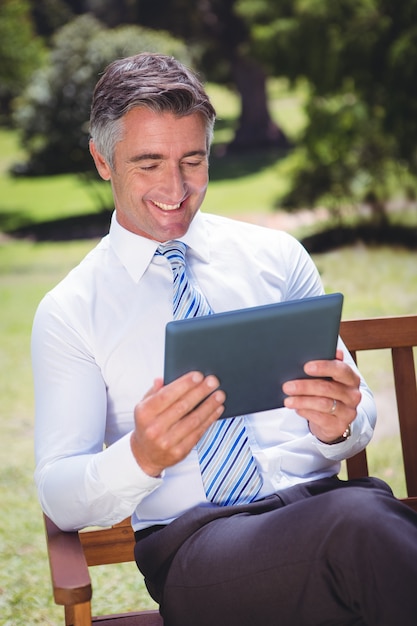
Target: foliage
[54, 111]
[20, 52]
[50, 15]
[360, 59]
[345, 157]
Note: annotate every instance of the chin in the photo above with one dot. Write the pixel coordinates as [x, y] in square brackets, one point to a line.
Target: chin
[173, 232]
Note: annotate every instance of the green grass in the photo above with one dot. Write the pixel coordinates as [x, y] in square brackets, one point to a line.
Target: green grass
[375, 282]
[27, 200]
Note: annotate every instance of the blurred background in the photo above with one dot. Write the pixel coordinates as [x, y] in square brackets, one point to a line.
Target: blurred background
[316, 135]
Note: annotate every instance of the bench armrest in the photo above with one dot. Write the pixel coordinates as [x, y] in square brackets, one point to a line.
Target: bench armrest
[69, 572]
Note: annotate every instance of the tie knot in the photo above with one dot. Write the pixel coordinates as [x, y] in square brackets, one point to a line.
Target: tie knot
[173, 251]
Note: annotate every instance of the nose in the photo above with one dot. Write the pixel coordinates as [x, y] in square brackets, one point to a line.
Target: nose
[175, 184]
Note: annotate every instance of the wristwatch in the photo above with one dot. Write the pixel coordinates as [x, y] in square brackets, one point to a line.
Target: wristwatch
[344, 437]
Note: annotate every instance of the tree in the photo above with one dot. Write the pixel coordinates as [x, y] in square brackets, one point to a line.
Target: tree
[228, 40]
[20, 52]
[50, 15]
[54, 111]
[114, 12]
[220, 41]
[360, 60]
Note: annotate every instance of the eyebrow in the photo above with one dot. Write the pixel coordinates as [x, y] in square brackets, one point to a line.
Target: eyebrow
[154, 156]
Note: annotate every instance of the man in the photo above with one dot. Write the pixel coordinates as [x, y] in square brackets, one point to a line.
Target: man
[296, 546]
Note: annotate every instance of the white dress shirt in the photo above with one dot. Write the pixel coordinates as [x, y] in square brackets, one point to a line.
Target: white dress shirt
[98, 344]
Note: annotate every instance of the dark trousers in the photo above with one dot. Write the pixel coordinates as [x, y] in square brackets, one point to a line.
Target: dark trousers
[328, 552]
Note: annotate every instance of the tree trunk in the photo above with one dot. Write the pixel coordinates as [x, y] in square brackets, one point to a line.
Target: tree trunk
[256, 129]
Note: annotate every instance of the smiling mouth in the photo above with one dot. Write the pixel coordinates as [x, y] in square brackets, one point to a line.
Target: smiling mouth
[167, 207]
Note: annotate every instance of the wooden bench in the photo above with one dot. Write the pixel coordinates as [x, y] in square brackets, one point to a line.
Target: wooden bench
[70, 554]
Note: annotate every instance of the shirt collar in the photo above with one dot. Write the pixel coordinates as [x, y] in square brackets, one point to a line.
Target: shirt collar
[136, 252]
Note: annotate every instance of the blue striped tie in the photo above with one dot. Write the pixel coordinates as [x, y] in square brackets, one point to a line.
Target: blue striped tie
[228, 469]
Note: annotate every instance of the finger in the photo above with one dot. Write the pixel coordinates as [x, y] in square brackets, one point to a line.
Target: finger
[323, 388]
[319, 410]
[187, 431]
[319, 404]
[335, 369]
[196, 396]
[181, 395]
[320, 396]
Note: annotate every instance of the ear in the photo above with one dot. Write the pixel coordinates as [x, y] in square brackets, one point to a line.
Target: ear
[101, 164]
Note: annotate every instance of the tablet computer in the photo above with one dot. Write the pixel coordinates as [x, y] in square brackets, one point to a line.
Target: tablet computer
[254, 351]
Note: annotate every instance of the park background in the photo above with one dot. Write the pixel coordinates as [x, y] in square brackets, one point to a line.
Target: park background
[316, 135]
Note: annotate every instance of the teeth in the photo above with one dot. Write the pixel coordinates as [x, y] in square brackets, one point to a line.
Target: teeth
[167, 207]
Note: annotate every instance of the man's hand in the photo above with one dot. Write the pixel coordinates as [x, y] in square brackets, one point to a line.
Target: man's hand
[328, 405]
[172, 418]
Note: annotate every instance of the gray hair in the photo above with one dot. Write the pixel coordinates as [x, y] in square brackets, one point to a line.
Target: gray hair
[155, 81]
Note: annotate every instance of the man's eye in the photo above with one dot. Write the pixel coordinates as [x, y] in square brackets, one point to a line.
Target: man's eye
[151, 166]
[192, 163]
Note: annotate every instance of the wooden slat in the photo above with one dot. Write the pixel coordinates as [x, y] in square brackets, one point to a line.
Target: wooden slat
[411, 502]
[406, 391]
[357, 466]
[398, 334]
[379, 332]
[109, 545]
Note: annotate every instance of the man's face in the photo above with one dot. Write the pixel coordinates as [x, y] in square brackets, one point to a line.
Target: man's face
[160, 172]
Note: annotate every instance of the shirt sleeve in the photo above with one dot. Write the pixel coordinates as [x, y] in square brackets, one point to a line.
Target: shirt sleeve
[80, 482]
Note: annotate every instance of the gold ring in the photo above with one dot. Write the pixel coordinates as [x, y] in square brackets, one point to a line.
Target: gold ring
[333, 409]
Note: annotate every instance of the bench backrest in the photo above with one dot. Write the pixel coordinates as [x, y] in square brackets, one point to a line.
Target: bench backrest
[399, 335]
